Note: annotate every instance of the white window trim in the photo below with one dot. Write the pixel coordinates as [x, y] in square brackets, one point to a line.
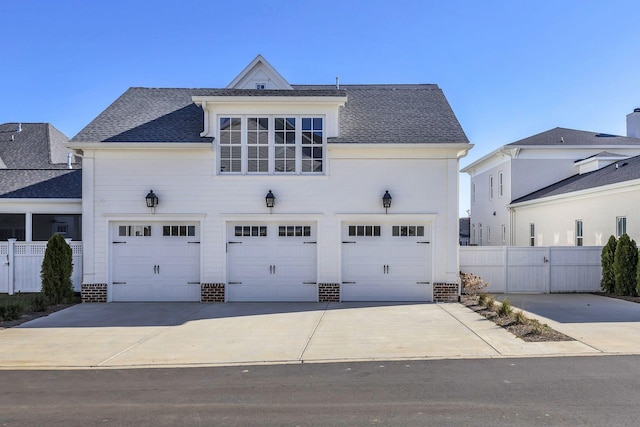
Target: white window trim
[532, 234]
[490, 187]
[579, 237]
[619, 220]
[500, 184]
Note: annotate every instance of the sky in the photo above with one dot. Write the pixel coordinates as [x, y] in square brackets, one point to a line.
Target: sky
[510, 69]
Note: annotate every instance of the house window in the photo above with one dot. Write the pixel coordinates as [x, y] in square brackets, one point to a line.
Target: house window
[621, 226]
[261, 86]
[479, 234]
[532, 234]
[44, 226]
[271, 145]
[473, 233]
[364, 230]
[473, 192]
[134, 230]
[294, 231]
[250, 231]
[12, 226]
[500, 184]
[578, 232]
[407, 230]
[488, 234]
[491, 187]
[178, 230]
[504, 234]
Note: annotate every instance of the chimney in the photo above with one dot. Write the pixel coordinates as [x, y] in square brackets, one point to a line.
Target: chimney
[633, 124]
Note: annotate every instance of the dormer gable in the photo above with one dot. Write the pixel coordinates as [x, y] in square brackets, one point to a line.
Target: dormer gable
[597, 161]
[259, 74]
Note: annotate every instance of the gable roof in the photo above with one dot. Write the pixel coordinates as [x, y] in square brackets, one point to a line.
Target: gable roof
[259, 70]
[34, 146]
[563, 136]
[615, 173]
[372, 114]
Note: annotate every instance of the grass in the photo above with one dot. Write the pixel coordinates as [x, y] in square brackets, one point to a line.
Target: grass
[13, 308]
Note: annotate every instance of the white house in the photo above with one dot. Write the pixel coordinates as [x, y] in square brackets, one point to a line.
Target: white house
[583, 210]
[266, 191]
[521, 168]
[40, 184]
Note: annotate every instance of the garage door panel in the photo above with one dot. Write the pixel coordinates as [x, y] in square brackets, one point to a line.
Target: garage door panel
[392, 265]
[273, 265]
[155, 265]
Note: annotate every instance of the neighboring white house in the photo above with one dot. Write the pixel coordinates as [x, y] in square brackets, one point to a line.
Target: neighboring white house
[40, 184]
[526, 166]
[326, 157]
[583, 210]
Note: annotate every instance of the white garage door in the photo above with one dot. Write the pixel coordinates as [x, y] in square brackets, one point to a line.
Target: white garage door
[271, 262]
[386, 262]
[155, 262]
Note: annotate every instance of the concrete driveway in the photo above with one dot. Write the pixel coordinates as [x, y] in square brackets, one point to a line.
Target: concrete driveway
[120, 335]
[608, 325]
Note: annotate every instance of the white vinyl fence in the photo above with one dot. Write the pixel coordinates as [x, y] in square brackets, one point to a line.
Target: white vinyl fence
[20, 264]
[548, 269]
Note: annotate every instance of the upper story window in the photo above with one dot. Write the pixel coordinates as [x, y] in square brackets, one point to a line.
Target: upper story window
[621, 226]
[271, 145]
[500, 184]
[473, 192]
[504, 234]
[532, 234]
[491, 187]
[579, 236]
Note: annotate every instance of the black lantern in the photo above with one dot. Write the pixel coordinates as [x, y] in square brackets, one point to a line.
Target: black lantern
[270, 199]
[152, 200]
[386, 201]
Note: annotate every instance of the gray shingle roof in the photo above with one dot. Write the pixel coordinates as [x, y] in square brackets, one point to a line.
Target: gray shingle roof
[372, 114]
[41, 183]
[33, 163]
[36, 146]
[621, 171]
[564, 136]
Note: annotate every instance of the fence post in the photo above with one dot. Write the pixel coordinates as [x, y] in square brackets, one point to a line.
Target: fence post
[11, 261]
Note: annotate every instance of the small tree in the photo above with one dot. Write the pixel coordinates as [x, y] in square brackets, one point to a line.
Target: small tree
[57, 267]
[608, 282]
[624, 266]
[638, 275]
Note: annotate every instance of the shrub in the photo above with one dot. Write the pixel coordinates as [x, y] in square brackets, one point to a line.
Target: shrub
[471, 284]
[608, 281]
[505, 309]
[537, 328]
[624, 266]
[482, 299]
[56, 270]
[521, 319]
[638, 275]
[12, 310]
[39, 303]
[490, 303]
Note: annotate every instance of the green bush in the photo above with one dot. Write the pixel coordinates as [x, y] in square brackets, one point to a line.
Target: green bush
[12, 310]
[56, 270]
[505, 309]
[638, 275]
[521, 319]
[624, 266]
[39, 303]
[608, 282]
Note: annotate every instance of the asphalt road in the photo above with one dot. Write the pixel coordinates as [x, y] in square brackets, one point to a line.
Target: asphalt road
[484, 392]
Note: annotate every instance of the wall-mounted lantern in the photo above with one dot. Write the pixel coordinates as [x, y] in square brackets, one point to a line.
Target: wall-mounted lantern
[386, 201]
[152, 201]
[270, 199]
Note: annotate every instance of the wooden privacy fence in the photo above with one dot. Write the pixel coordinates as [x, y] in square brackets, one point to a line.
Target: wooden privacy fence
[20, 264]
[546, 269]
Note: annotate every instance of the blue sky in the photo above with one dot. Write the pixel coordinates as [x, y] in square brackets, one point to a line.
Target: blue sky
[510, 69]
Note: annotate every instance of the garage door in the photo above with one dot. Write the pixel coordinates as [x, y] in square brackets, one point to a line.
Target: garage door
[271, 262]
[386, 262]
[155, 262]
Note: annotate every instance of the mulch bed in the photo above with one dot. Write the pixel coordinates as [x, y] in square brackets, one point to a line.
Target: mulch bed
[531, 331]
[30, 315]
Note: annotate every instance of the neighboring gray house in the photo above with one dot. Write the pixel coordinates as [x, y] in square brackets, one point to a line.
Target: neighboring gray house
[40, 183]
